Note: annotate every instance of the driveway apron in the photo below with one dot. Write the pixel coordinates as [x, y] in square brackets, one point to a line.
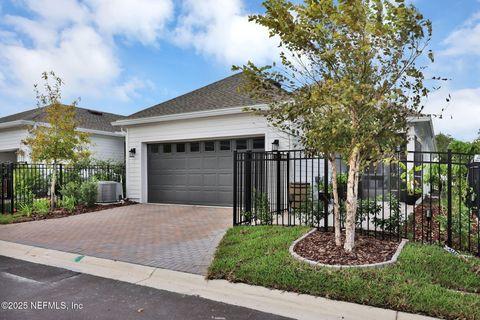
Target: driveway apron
[180, 238]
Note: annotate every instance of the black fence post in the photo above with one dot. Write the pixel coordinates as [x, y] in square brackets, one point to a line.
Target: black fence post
[248, 181]
[235, 160]
[278, 184]
[10, 186]
[2, 190]
[325, 192]
[449, 198]
[60, 179]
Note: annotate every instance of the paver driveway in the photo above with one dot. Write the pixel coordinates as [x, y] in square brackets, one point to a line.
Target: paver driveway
[181, 238]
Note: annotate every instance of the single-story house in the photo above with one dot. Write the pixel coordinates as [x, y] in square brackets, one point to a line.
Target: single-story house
[181, 151]
[107, 141]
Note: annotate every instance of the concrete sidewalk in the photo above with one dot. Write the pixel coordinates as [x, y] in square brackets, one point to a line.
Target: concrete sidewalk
[285, 304]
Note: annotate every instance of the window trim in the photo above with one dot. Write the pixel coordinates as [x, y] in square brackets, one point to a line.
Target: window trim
[195, 143]
[205, 146]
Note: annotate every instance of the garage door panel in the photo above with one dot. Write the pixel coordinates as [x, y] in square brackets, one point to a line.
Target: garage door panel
[210, 180]
[194, 180]
[203, 177]
[225, 163]
[194, 163]
[210, 162]
[224, 180]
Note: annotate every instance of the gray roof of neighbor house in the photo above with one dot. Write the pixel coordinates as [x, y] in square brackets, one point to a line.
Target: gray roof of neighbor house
[86, 118]
[218, 95]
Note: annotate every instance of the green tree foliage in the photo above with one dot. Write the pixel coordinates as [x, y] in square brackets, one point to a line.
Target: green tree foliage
[351, 76]
[442, 141]
[56, 139]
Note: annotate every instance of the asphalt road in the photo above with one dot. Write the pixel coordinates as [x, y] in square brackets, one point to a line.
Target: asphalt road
[34, 291]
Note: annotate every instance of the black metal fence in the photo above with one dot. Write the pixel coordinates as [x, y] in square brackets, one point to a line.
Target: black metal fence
[429, 197]
[22, 182]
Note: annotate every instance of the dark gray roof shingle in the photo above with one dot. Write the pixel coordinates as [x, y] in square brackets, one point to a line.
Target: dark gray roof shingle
[86, 118]
[218, 95]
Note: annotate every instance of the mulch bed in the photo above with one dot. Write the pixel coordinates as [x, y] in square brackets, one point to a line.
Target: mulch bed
[320, 247]
[426, 229]
[61, 213]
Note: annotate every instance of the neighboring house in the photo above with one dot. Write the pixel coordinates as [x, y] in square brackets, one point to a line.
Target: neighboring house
[181, 151]
[107, 142]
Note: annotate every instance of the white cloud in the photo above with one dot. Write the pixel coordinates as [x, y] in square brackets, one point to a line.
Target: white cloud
[142, 20]
[129, 89]
[223, 32]
[80, 57]
[460, 119]
[76, 39]
[465, 40]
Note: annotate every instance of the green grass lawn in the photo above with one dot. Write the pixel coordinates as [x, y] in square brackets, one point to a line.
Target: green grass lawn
[426, 279]
[10, 218]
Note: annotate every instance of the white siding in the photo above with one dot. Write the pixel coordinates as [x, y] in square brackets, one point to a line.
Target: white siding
[11, 140]
[228, 126]
[108, 147]
[103, 147]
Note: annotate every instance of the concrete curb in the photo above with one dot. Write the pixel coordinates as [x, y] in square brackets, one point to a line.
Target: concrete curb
[287, 304]
[336, 266]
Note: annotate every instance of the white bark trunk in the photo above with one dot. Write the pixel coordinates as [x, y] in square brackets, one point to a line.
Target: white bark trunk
[351, 205]
[52, 187]
[336, 203]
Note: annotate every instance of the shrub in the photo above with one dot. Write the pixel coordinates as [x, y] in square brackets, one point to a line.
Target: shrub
[41, 206]
[262, 208]
[71, 190]
[29, 179]
[26, 209]
[88, 193]
[393, 223]
[68, 203]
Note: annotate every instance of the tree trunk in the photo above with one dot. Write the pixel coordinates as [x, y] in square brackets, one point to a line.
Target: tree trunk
[52, 186]
[336, 203]
[351, 203]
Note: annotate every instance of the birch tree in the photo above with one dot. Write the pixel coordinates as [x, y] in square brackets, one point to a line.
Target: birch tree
[55, 139]
[353, 71]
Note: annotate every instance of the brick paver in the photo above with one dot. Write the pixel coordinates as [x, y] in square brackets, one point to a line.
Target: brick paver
[181, 238]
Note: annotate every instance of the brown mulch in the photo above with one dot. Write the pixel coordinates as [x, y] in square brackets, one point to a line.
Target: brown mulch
[428, 229]
[320, 247]
[61, 212]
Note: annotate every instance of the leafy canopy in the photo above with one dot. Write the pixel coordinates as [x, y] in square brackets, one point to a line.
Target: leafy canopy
[56, 140]
[349, 71]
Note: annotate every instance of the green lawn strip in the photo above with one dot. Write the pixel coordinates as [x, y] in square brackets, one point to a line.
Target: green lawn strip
[425, 280]
[9, 218]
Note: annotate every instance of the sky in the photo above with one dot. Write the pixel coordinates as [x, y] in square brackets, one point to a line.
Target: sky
[122, 56]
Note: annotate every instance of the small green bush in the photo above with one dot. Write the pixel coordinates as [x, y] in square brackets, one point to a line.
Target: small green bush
[68, 203]
[26, 209]
[41, 206]
[88, 193]
[72, 190]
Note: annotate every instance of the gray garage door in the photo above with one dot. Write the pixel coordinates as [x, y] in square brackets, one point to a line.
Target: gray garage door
[195, 172]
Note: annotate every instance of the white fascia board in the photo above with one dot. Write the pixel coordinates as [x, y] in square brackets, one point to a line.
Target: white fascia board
[20, 123]
[187, 115]
[419, 119]
[13, 124]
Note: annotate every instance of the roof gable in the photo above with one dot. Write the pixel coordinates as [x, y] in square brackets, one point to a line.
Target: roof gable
[221, 94]
[85, 118]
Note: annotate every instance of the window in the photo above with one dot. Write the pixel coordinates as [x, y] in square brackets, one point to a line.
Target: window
[241, 144]
[180, 147]
[258, 143]
[154, 148]
[167, 148]
[194, 146]
[225, 145]
[210, 146]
